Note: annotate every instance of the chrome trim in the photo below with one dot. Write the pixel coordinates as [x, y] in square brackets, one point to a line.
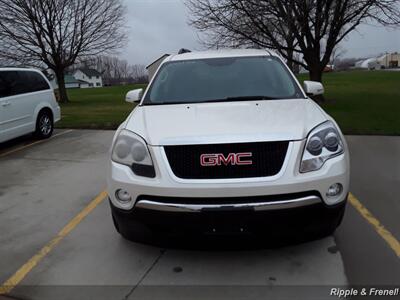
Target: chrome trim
[256, 206]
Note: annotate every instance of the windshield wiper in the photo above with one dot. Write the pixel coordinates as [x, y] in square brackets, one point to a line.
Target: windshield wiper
[241, 98]
[227, 99]
[251, 98]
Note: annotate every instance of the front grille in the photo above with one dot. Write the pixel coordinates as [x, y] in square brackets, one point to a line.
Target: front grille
[267, 158]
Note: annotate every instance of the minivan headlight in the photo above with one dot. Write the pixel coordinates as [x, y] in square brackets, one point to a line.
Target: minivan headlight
[323, 143]
[131, 150]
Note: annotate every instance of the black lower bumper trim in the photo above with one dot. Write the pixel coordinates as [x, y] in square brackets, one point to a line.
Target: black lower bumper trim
[296, 223]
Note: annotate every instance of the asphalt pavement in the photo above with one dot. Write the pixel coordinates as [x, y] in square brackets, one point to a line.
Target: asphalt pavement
[56, 185]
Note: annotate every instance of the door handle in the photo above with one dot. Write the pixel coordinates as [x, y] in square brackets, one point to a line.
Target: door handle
[6, 103]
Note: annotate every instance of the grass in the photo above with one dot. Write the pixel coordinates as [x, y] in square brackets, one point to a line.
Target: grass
[99, 108]
[362, 102]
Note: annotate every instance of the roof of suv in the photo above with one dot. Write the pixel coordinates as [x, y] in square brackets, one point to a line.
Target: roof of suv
[220, 54]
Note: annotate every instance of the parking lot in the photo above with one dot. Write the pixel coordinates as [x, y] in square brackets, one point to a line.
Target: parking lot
[57, 239]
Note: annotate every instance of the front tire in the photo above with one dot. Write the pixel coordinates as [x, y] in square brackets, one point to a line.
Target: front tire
[44, 125]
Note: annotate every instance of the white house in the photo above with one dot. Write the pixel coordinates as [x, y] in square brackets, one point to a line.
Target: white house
[386, 61]
[74, 81]
[390, 60]
[91, 76]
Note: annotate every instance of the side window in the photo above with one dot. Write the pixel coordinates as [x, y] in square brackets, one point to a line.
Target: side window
[41, 82]
[21, 82]
[4, 86]
[34, 82]
[15, 83]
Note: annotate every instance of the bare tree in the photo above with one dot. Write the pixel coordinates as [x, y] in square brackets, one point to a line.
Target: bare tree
[139, 73]
[55, 33]
[225, 24]
[115, 70]
[337, 53]
[312, 28]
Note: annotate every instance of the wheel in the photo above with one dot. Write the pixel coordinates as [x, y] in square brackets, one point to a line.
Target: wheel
[44, 125]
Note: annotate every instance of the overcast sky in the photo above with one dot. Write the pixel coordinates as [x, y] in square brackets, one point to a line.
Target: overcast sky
[160, 26]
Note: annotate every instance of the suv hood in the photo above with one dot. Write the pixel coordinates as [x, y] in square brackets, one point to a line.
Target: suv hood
[227, 122]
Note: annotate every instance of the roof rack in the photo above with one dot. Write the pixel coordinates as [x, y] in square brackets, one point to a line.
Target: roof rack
[184, 50]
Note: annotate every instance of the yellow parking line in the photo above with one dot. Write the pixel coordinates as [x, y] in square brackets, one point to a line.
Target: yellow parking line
[34, 143]
[18, 276]
[379, 228]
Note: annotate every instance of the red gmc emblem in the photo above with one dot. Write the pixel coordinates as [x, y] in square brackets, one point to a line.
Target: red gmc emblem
[218, 159]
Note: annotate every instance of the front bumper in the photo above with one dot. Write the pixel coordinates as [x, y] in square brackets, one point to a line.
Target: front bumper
[274, 227]
[288, 181]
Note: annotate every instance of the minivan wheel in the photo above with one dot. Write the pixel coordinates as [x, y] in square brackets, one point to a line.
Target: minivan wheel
[44, 125]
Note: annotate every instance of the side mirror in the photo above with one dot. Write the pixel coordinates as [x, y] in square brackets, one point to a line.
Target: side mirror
[313, 88]
[134, 96]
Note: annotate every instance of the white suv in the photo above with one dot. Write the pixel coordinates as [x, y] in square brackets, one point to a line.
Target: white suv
[227, 142]
[27, 104]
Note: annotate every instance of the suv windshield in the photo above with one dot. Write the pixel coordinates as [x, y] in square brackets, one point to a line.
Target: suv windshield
[222, 79]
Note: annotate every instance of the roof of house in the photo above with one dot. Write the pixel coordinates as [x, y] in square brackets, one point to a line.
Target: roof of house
[69, 79]
[83, 81]
[90, 72]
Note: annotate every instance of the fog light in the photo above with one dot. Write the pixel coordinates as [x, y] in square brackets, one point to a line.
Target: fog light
[334, 190]
[123, 196]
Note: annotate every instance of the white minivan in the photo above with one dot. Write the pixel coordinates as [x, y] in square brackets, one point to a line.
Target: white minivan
[27, 104]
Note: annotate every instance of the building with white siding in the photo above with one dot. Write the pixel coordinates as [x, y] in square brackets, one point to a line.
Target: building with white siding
[91, 76]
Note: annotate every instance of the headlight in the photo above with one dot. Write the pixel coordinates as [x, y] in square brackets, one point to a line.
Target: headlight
[131, 150]
[323, 143]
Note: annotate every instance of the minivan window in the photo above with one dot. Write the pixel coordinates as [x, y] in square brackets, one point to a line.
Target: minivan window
[35, 81]
[10, 82]
[21, 82]
[222, 79]
[4, 90]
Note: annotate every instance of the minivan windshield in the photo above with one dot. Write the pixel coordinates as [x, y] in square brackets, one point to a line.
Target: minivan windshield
[222, 79]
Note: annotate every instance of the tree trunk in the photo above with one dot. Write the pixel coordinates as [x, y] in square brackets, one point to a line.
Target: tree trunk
[289, 60]
[316, 75]
[290, 53]
[62, 91]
